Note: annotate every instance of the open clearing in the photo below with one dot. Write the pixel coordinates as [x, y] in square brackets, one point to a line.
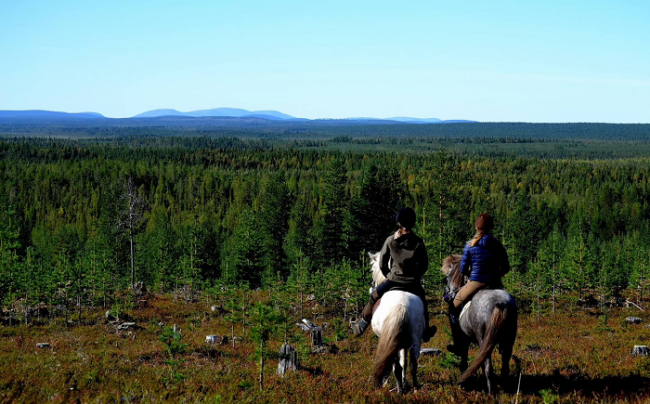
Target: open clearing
[576, 357]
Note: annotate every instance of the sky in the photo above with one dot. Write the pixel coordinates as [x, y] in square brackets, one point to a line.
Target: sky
[519, 60]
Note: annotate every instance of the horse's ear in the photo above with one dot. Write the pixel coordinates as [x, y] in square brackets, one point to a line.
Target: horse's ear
[373, 256]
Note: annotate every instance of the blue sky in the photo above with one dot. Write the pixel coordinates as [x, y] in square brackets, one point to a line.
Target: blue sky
[533, 61]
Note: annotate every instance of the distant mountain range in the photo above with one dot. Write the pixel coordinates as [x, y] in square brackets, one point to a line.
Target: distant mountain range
[36, 113]
[233, 112]
[217, 112]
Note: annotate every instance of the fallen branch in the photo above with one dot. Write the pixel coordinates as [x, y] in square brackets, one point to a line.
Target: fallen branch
[627, 302]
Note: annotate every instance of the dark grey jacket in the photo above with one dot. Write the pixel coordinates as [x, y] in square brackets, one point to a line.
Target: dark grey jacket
[410, 260]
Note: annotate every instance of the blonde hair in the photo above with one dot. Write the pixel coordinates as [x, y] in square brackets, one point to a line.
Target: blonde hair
[477, 237]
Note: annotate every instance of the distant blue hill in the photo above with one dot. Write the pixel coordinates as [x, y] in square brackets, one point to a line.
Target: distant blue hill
[225, 113]
[414, 120]
[234, 112]
[35, 114]
[405, 119]
[458, 121]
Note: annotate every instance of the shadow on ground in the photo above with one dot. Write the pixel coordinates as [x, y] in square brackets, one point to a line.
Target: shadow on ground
[562, 384]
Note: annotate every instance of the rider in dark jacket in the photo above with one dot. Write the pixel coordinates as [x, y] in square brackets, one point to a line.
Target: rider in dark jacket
[409, 264]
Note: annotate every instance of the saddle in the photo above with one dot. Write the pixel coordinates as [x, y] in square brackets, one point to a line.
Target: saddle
[396, 288]
[376, 306]
[464, 309]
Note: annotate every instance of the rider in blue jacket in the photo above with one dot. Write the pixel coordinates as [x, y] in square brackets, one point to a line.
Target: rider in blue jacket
[484, 261]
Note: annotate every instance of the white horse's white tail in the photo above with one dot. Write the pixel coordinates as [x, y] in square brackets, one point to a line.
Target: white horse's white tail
[395, 335]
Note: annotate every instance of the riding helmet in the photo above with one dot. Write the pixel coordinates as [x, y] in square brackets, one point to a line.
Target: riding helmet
[406, 217]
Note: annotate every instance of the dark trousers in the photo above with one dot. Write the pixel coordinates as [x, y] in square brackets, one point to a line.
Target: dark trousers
[387, 285]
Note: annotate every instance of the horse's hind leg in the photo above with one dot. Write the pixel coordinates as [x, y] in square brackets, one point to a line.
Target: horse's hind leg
[487, 369]
[506, 355]
[398, 371]
[414, 353]
[403, 359]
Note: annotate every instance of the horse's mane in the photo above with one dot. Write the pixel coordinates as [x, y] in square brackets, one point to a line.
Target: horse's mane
[377, 276]
[456, 278]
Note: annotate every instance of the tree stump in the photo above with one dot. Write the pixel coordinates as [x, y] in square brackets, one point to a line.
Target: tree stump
[634, 320]
[43, 345]
[211, 339]
[316, 337]
[224, 340]
[288, 359]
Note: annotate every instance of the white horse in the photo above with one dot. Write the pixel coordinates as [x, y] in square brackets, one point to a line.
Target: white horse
[399, 324]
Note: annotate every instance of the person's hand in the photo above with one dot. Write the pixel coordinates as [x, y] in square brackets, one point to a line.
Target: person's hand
[399, 233]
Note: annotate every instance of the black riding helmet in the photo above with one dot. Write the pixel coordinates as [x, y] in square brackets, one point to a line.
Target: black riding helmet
[406, 218]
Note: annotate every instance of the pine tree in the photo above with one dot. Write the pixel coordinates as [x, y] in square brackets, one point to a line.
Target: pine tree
[131, 219]
[334, 210]
[265, 324]
[10, 261]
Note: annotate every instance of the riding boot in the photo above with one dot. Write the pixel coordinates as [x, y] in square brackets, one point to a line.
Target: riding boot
[429, 331]
[359, 327]
[454, 313]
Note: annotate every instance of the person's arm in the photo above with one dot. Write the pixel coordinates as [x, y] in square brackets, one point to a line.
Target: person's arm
[423, 260]
[384, 258]
[466, 261]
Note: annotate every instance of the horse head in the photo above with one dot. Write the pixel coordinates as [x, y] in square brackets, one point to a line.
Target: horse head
[451, 269]
[377, 276]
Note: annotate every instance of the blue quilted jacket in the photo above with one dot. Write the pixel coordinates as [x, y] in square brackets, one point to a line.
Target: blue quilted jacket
[486, 262]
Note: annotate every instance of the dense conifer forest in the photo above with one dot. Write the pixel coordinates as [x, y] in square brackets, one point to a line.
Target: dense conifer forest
[83, 219]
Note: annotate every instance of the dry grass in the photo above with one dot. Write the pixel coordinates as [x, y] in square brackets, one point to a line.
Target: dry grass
[568, 358]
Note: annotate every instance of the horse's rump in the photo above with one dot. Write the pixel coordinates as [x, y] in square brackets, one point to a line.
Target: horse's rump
[395, 335]
[491, 337]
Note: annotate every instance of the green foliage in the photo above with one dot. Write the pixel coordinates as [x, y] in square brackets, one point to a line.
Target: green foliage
[232, 211]
[549, 396]
[172, 342]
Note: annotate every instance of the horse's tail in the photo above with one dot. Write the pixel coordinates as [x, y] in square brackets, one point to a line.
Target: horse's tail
[490, 340]
[395, 335]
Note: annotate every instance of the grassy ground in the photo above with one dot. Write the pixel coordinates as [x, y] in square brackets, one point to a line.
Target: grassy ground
[566, 357]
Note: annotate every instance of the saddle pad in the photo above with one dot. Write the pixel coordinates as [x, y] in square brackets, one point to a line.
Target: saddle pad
[465, 307]
[376, 306]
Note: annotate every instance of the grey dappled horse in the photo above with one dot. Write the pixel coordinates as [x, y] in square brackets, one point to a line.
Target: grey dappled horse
[489, 321]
